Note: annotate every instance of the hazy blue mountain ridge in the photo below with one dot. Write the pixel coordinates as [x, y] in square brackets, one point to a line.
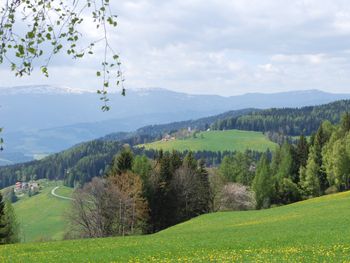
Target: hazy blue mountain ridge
[44, 119]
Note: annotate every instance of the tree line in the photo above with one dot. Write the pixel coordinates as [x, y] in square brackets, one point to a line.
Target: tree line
[142, 195]
[80, 164]
[137, 195]
[90, 166]
[286, 121]
[294, 172]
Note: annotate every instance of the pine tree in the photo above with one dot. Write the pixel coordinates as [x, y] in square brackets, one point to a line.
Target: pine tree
[176, 160]
[285, 166]
[3, 221]
[225, 169]
[302, 151]
[122, 162]
[163, 201]
[12, 225]
[337, 163]
[263, 184]
[190, 161]
[204, 187]
[309, 177]
[320, 141]
[345, 123]
[142, 167]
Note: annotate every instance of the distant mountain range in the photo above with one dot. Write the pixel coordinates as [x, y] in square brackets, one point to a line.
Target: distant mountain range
[45, 119]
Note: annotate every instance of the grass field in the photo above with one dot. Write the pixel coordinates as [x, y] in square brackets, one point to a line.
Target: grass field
[42, 216]
[316, 230]
[230, 140]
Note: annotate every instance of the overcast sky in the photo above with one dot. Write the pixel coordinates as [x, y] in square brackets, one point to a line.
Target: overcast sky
[221, 47]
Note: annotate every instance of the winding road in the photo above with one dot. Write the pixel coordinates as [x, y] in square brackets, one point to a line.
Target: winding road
[53, 192]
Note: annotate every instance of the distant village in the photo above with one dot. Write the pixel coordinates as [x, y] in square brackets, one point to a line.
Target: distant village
[168, 137]
[181, 134]
[23, 187]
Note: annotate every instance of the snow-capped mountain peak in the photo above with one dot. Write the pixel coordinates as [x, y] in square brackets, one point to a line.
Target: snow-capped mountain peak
[41, 89]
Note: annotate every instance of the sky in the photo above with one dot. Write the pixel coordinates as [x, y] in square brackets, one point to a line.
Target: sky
[218, 47]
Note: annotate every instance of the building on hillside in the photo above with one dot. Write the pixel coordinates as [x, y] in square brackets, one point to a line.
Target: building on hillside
[34, 186]
[168, 138]
[18, 186]
[25, 186]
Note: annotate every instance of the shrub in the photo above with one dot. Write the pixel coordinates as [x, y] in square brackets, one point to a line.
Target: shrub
[236, 197]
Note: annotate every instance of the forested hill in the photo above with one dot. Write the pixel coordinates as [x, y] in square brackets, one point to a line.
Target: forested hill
[289, 121]
[83, 160]
[155, 132]
[89, 159]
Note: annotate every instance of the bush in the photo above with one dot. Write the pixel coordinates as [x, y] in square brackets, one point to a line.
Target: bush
[236, 197]
[288, 192]
[331, 190]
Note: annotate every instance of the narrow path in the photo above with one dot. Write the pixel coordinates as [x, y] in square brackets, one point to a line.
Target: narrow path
[60, 196]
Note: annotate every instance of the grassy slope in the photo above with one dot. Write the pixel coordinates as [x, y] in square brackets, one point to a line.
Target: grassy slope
[41, 216]
[312, 231]
[217, 141]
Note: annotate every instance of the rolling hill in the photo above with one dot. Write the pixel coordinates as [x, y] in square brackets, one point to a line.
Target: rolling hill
[230, 140]
[315, 230]
[42, 216]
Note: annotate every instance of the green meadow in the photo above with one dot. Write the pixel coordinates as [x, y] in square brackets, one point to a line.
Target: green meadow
[316, 230]
[42, 216]
[230, 140]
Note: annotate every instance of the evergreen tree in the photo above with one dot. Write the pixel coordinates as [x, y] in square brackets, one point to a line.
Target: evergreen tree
[345, 122]
[263, 184]
[285, 167]
[225, 169]
[3, 221]
[122, 162]
[286, 174]
[337, 162]
[287, 192]
[12, 225]
[320, 141]
[204, 187]
[142, 167]
[341, 165]
[176, 160]
[302, 151]
[162, 201]
[309, 179]
[276, 161]
[190, 161]
[236, 168]
[9, 227]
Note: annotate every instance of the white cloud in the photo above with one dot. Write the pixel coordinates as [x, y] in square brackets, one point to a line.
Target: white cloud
[342, 22]
[269, 68]
[304, 58]
[223, 47]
